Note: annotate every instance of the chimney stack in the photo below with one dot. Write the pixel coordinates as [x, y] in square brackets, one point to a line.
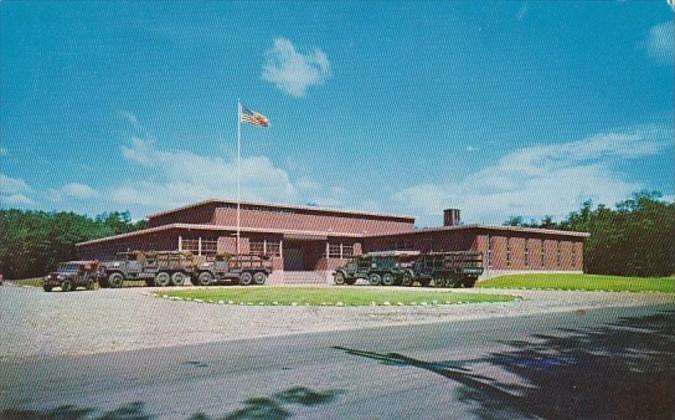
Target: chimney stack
[450, 217]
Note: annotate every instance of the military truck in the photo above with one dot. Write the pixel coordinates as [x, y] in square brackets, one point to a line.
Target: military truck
[443, 269]
[157, 268]
[379, 268]
[71, 275]
[448, 269]
[242, 269]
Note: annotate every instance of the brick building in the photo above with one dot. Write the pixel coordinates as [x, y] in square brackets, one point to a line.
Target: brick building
[308, 242]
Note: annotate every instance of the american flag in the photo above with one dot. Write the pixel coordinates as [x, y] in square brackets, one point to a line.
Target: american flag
[253, 117]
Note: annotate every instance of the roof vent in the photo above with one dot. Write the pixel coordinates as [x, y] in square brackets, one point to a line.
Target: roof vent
[450, 217]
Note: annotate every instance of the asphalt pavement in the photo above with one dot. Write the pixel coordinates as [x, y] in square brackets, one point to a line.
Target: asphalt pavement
[600, 363]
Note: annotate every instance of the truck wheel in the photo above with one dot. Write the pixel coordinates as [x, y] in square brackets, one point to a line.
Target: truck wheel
[259, 278]
[245, 279]
[178, 278]
[66, 285]
[162, 279]
[339, 278]
[407, 280]
[374, 279]
[115, 280]
[47, 288]
[388, 279]
[205, 278]
[438, 282]
[469, 281]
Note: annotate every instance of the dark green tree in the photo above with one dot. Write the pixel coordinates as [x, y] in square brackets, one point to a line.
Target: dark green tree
[34, 242]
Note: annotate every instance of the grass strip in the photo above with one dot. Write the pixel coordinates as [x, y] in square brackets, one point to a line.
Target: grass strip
[330, 296]
[584, 282]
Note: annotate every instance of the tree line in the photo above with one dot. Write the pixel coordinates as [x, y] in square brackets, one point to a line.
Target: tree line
[636, 238]
[34, 242]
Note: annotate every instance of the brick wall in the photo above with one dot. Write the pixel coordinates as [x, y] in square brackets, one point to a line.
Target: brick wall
[313, 222]
[517, 251]
[199, 214]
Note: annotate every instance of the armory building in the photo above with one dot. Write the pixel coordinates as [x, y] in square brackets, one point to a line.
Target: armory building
[306, 243]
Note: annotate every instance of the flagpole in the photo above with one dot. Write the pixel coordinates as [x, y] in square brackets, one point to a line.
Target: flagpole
[238, 172]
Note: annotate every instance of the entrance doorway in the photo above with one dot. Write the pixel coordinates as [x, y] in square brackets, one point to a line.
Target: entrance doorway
[294, 258]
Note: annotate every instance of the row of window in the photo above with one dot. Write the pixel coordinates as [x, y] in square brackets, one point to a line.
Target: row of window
[271, 248]
[339, 250]
[207, 247]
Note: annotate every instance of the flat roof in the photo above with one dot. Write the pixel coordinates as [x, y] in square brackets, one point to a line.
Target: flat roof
[189, 226]
[315, 233]
[310, 209]
[487, 227]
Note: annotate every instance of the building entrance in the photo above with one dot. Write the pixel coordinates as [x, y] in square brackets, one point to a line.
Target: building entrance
[294, 258]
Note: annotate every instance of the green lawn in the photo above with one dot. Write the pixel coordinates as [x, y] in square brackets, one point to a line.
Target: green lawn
[331, 296]
[589, 282]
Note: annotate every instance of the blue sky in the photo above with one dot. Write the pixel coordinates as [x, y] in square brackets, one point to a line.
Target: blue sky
[505, 108]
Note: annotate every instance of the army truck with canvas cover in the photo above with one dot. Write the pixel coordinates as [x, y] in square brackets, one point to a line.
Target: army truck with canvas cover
[71, 275]
[242, 269]
[160, 268]
[442, 269]
[448, 269]
[378, 268]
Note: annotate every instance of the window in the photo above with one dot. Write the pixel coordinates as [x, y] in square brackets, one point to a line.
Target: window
[557, 254]
[526, 254]
[542, 253]
[256, 247]
[209, 247]
[334, 251]
[574, 255]
[347, 251]
[508, 252]
[191, 245]
[489, 251]
[273, 249]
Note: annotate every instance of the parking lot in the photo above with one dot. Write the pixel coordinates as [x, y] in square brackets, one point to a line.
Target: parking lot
[37, 324]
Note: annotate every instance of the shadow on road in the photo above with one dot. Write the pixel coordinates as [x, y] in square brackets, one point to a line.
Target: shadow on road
[624, 369]
[275, 407]
[132, 411]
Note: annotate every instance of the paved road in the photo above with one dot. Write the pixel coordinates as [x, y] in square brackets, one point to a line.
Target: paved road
[598, 363]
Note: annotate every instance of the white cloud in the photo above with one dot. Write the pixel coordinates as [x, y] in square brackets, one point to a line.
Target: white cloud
[294, 71]
[661, 43]
[179, 177]
[131, 119]
[79, 191]
[308, 185]
[10, 185]
[14, 192]
[539, 180]
[15, 200]
[522, 11]
[3, 151]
